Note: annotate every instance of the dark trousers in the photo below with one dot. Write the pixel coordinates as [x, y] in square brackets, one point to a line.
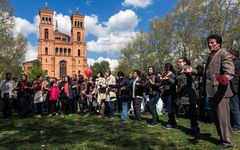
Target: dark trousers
[72, 105]
[65, 105]
[137, 108]
[24, 106]
[6, 106]
[52, 107]
[192, 112]
[152, 106]
[170, 109]
[221, 111]
[39, 108]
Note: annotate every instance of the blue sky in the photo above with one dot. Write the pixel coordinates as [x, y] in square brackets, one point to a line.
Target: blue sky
[109, 24]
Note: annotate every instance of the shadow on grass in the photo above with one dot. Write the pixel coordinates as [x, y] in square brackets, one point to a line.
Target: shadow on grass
[78, 132]
[196, 137]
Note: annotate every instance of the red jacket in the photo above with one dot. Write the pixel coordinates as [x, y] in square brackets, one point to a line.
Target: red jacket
[54, 91]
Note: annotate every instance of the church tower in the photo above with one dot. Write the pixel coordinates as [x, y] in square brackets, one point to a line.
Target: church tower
[61, 54]
[46, 39]
[78, 41]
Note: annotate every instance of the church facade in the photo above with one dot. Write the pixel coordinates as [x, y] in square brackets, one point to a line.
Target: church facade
[61, 54]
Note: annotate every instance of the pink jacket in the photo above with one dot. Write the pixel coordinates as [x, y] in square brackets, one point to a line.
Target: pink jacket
[54, 91]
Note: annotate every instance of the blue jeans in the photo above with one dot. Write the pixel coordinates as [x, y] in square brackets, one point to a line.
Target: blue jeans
[124, 114]
[235, 110]
[110, 108]
[152, 106]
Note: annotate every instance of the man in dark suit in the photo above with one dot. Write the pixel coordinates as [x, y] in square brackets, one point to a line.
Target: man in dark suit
[219, 70]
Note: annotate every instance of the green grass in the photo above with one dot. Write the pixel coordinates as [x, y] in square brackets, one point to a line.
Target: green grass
[91, 132]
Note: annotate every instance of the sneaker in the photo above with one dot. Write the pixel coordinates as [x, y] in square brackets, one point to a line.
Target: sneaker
[62, 116]
[50, 115]
[38, 116]
[168, 126]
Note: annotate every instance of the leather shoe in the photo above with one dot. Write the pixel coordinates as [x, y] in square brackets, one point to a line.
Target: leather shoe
[222, 145]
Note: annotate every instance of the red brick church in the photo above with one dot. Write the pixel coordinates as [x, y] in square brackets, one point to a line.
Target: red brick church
[60, 54]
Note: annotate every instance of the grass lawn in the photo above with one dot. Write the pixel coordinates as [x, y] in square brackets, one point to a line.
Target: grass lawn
[90, 132]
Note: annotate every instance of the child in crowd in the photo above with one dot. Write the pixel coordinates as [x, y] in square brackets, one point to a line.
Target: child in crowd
[54, 92]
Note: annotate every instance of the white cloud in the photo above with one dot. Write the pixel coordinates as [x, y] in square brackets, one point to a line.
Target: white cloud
[137, 3]
[64, 23]
[113, 34]
[31, 53]
[88, 2]
[123, 21]
[25, 27]
[113, 62]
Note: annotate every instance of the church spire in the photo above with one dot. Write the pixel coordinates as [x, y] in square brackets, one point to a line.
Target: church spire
[56, 26]
[46, 5]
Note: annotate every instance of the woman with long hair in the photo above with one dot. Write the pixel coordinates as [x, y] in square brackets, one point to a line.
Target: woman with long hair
[152, 90]
[100, 91]
[23, 94]
[168, 93]
[66, 94]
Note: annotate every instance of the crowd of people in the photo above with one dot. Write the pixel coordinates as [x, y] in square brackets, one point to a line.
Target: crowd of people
[208, 92]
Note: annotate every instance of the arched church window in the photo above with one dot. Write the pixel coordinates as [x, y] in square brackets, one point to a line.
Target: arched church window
[61, 51]
[79, 53]
[46, 51]
[56, 51]
[65, 52]
[69, 52]
[46, 33]
[78, 36]
[63, 68]
[81, 24]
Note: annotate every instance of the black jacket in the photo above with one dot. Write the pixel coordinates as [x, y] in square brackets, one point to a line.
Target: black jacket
[235, 80]
[139, 87]
[153, 89]
[125, 92]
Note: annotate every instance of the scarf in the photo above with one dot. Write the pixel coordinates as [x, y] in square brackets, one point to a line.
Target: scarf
[23, 86]
[66, 89]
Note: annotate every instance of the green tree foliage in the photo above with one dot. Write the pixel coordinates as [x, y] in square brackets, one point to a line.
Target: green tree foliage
[35, 70]
[102, 66]
[183, 33]
[12, 47]
[136, 55]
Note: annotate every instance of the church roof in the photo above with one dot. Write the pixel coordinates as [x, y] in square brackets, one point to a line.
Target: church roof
[57, 32]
